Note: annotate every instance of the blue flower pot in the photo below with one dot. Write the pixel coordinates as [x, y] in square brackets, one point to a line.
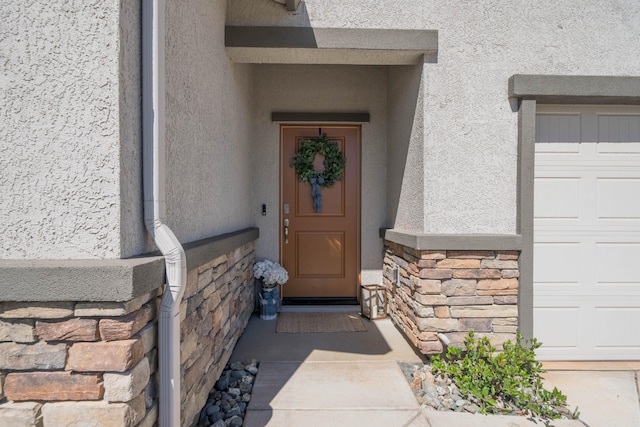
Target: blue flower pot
[269, 303]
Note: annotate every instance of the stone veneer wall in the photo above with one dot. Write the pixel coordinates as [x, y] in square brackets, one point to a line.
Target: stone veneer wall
[216, 307]
[65, 363]
[452, 292]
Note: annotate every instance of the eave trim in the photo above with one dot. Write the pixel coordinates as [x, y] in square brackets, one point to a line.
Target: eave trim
[557, 89]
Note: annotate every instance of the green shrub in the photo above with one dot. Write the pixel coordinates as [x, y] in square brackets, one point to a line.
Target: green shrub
[500, 381]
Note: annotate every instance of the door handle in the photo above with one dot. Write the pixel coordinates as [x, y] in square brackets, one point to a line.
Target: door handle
[286, 231]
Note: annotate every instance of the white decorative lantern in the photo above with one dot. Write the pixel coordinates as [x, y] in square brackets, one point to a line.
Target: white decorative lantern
[373, 304]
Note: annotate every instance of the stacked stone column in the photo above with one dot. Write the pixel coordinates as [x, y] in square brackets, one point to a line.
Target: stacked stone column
[450, 293]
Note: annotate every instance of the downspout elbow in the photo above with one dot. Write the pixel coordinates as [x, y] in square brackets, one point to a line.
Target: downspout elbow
[175, 264]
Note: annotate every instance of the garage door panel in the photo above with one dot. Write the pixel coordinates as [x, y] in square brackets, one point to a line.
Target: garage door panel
[617, 328]
[617, 128]
[587, 328]
[618, 263]
[558, 128]
[557, 198]
[618, 198]
[556, 263]
[546, 326]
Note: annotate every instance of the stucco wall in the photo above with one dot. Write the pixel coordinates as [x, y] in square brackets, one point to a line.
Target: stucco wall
[405, 153]
[470, 127]
[70, 134]
[132, 230]
[71, 139]
[208, 125]
[59, 130]
[305, 88]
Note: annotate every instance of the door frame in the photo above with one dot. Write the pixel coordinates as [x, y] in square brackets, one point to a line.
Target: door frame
[358, 213]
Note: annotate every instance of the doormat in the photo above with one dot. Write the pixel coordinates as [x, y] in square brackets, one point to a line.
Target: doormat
[309, 323]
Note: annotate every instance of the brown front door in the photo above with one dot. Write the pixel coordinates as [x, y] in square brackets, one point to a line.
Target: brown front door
[322, 252]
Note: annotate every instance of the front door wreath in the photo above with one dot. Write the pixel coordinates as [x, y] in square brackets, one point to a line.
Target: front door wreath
[333, 166]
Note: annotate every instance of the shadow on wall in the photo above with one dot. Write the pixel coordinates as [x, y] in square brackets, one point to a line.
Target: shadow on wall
[405, 139]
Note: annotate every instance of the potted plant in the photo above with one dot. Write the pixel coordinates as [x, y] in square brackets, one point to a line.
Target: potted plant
[270, 275]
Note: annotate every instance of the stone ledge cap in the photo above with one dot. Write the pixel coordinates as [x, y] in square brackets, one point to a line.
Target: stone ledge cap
[80, 280]
[425, 241]
[104, 280]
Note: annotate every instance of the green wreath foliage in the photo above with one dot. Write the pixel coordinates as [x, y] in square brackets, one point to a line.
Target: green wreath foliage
[333, 161]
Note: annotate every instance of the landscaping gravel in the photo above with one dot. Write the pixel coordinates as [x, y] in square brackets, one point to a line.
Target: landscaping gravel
[227, 402]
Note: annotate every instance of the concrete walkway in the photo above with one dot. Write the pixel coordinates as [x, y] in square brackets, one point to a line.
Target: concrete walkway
[353, 379]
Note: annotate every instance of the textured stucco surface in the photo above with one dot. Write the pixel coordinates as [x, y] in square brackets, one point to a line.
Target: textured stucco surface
[328, 88]
[70, 115]
[208, 125]
[71, 128]
[470, 126]
[59, 129]
[132, 230]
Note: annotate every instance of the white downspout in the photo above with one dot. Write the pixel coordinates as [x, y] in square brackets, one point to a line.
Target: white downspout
[154, 172]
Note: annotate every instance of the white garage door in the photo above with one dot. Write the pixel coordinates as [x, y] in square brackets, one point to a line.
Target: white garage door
[587, 233]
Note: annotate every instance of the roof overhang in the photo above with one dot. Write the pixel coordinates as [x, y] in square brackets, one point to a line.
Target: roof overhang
[307, 45]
